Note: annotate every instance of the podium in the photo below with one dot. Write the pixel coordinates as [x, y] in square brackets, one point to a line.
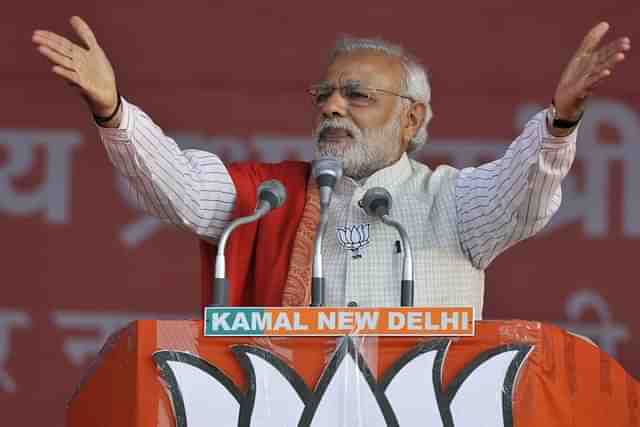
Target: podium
[511, 373]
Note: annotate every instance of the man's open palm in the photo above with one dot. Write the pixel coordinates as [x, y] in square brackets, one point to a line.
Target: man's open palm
[589, 67]
[84, 66]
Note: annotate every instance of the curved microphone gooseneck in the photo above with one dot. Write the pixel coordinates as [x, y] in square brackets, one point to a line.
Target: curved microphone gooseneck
[271, 195]
[377, 203]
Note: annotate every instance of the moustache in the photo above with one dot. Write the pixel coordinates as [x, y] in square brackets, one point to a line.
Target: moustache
[334, 124]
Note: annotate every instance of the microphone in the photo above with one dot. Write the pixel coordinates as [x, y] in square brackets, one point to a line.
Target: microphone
[271, 195]
[327, 171]
[377, 203]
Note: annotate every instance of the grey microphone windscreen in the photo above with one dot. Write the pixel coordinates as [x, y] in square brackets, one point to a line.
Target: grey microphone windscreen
[326, 170]
[376, 201]
[273, 192]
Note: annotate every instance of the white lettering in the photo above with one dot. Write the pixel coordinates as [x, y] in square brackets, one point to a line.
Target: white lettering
[396, 320]
[240, 323]
[428, 322]
[345, 320]
[260, 321]
[297, 324]
[414, 320]
[606, 333]
[9, 319]
[367, 320]
[52, 194]
[282, 322]
[219, 321]
[465, 324]
[450, 320]
[327, 320]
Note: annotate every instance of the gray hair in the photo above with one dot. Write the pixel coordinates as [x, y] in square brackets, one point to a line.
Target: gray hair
[415, 83]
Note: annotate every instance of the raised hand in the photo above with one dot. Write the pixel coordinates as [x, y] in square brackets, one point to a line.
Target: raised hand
[590, 66]
[85, 66]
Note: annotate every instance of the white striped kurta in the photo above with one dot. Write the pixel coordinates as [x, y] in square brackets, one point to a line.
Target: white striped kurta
[458, 220]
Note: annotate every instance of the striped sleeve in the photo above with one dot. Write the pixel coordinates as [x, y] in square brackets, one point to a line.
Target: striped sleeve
[503, 202]
[191, 189]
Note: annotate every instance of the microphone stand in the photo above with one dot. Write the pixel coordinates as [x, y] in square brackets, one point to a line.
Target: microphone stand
[408, 278]
[317, 279]
[271, 194]
[220, 282]
[377, 202]
[327, 171]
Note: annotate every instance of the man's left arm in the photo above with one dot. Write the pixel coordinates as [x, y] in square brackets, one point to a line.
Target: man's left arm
[512, 198]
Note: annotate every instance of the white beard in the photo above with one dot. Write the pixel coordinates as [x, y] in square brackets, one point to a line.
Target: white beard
[367, 152]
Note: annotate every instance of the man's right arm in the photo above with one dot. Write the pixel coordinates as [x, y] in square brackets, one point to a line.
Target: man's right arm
[191, 189]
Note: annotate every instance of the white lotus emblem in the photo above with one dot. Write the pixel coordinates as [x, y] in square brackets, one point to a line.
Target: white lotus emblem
[353, 238]
[408, 394]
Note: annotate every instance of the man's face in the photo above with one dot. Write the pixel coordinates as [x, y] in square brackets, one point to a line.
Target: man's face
[365, 135]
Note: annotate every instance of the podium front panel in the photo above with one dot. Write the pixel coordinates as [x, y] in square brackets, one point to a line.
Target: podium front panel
[512, 373]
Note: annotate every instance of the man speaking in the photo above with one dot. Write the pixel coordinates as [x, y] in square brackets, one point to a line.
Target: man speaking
[372, 110]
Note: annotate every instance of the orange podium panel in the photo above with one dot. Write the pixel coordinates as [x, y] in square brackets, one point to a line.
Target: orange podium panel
[512, 373]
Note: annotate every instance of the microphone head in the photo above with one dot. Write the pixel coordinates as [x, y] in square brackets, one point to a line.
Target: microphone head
[326, 170]
[376, 202]
[272, 192]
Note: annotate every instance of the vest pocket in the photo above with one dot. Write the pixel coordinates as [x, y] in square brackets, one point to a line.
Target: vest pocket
[396, 262]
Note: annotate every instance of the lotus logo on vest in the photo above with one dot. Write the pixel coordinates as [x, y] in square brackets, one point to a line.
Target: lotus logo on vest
[353, 238]
[409, 393]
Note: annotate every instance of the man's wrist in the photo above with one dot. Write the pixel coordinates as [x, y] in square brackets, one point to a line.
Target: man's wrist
[113, 119]
[560, 125]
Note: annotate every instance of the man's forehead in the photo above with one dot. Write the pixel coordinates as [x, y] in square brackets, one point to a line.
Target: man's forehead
[366, 68]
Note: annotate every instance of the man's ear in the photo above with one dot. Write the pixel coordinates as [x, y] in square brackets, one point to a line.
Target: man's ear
[415, 117]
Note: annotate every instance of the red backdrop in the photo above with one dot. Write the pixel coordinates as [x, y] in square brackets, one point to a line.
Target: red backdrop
[78, 259]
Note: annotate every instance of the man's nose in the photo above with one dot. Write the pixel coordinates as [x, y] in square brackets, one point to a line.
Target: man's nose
[334, 106]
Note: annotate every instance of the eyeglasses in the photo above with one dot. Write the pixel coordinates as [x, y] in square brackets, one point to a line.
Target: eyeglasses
[355, 94]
